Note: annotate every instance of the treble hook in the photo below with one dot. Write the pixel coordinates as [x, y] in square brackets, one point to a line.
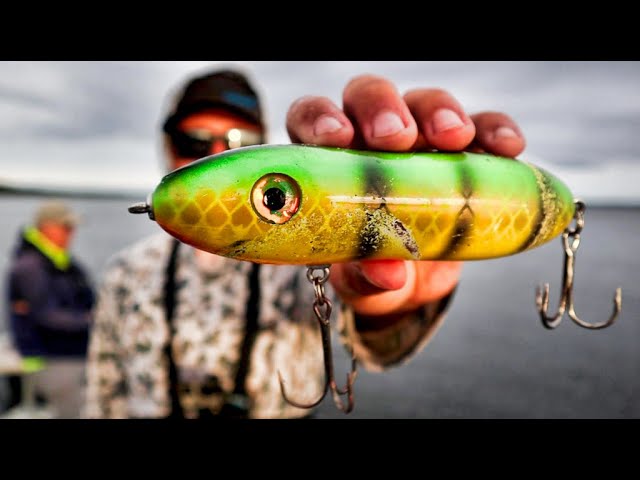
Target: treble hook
[322, 302]
[571, 241]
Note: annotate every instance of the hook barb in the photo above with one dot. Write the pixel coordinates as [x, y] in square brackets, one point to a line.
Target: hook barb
[617, 308]
[542, 303]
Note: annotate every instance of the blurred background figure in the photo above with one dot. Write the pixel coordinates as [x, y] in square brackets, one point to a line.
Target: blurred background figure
[49, 304]
[178, 331]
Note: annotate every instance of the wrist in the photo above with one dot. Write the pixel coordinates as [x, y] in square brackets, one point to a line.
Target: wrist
[367, 323]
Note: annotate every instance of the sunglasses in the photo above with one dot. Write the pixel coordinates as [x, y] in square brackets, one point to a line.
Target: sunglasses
[199, 143]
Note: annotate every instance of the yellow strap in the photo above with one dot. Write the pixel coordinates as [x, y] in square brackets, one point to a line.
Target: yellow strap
[33, 364]
[60, 257]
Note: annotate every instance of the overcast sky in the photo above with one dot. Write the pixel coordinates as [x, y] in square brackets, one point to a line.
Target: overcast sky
[96, 123]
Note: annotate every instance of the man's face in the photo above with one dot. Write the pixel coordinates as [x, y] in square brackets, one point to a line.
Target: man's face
[58, 233]
[209, 132]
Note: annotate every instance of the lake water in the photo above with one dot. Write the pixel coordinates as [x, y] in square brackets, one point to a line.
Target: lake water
[492, 358]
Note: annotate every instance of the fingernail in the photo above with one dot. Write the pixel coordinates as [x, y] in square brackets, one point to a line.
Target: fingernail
[369, 280]
[445, 119]
[326, 124]
[387, 123]
[359, 284]
[505, 132]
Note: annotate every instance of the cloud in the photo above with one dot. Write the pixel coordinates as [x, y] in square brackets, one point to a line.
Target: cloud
[98, 121]
[114, 162]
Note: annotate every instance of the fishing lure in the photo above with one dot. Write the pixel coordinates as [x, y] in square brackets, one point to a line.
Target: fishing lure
[316, 206]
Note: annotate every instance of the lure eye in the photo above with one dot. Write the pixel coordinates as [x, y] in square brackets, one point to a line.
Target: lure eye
[276, 198]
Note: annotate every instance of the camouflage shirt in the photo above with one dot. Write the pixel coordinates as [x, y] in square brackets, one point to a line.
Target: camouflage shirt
[128, 374]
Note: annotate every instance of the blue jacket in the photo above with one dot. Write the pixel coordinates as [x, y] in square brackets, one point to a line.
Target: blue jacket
[58, 319]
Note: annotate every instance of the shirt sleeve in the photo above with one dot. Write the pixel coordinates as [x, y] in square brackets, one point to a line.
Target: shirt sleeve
[394, 345]
[106, 380]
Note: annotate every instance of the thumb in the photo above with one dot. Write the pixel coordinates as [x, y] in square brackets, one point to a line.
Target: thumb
[368, 277]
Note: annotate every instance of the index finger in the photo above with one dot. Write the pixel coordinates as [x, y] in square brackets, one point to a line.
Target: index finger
[380, 115]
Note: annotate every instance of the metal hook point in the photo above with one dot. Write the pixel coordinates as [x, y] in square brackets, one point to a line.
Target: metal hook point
[617, 308]
[298, 404]
[542, 303]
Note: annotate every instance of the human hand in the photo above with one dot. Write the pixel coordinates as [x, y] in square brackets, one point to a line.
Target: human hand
[375, 116]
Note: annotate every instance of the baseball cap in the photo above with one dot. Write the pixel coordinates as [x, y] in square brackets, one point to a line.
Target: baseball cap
[56, 211]
[225, 88]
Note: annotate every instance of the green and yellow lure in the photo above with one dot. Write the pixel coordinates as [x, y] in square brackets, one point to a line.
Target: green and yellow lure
[311, 205]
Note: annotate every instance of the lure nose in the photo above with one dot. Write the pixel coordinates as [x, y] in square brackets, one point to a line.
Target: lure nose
[142, 207]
